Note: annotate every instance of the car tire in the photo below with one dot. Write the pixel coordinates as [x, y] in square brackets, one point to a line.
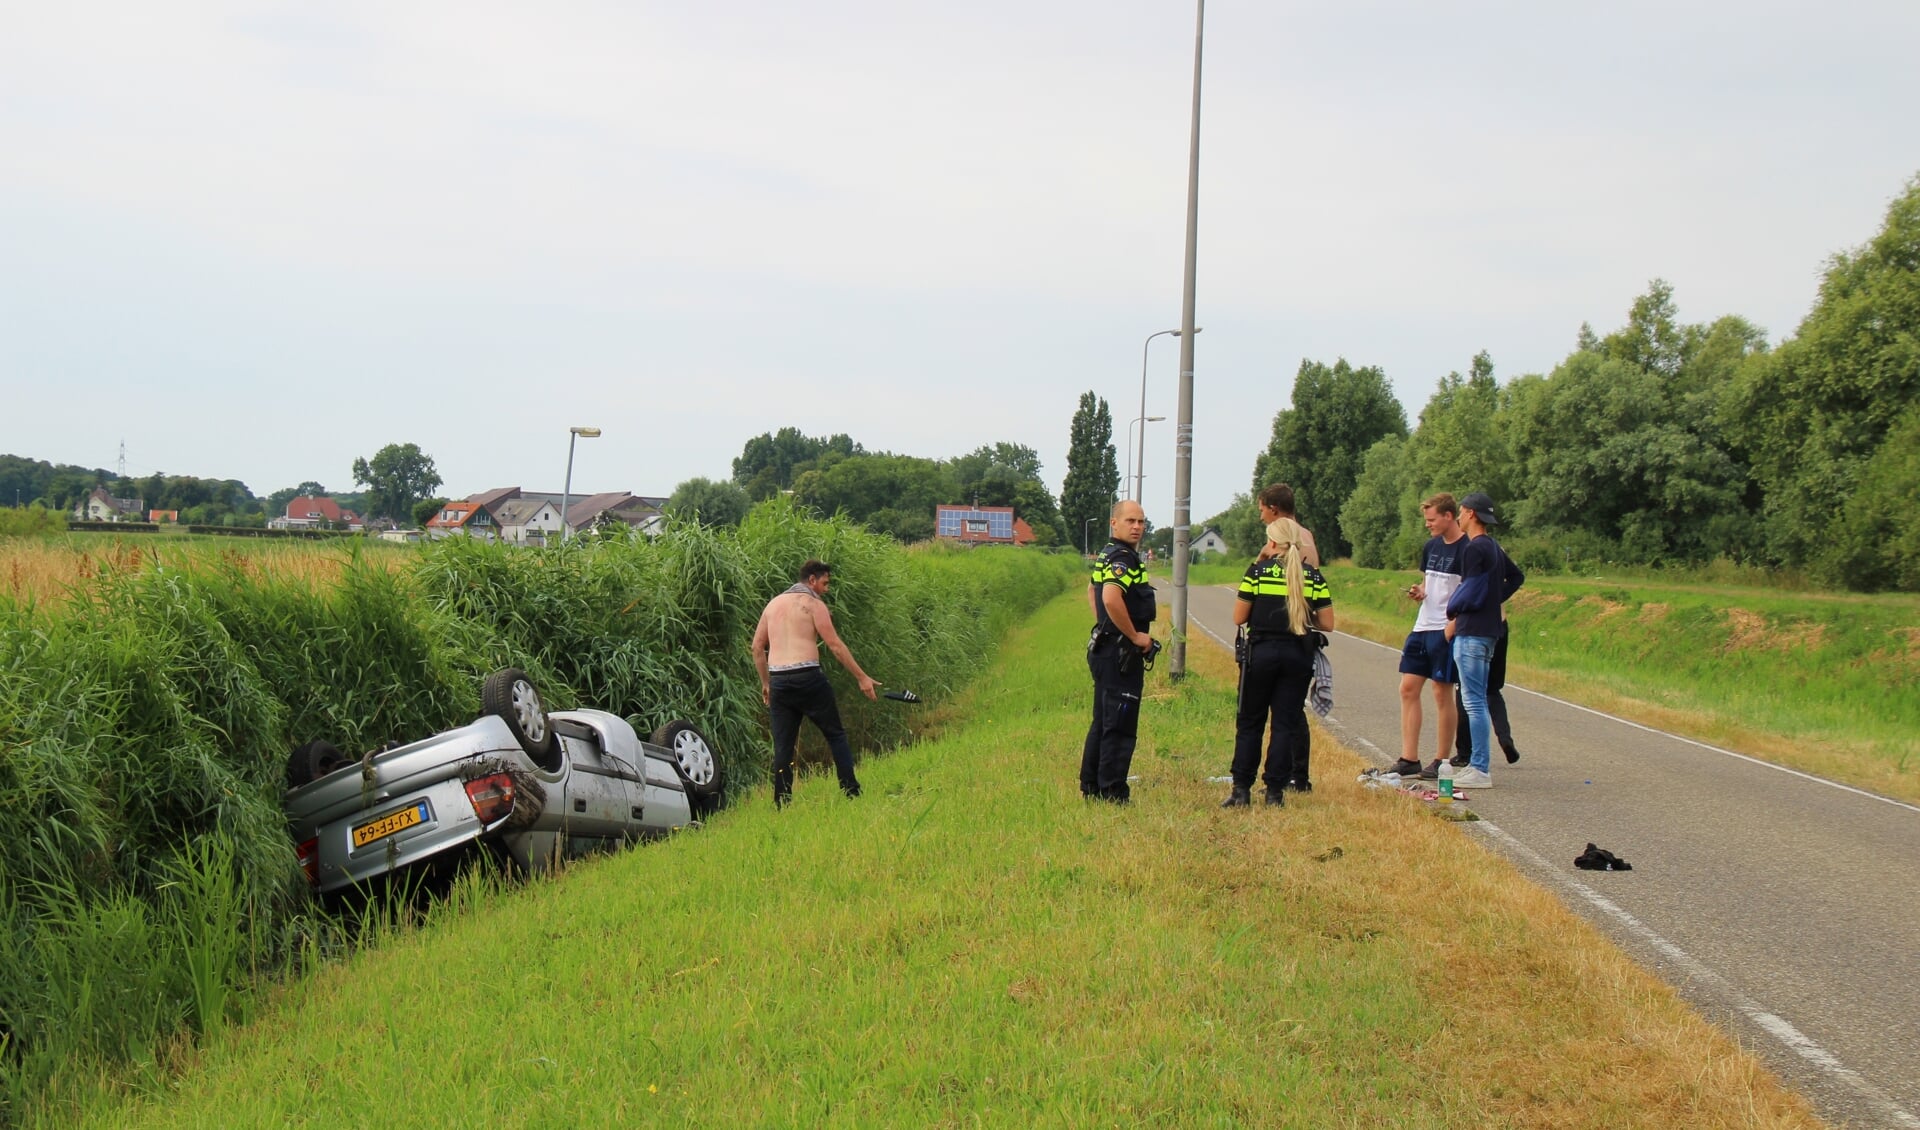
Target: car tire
[312, 761]
[509, 695]
[699, 764]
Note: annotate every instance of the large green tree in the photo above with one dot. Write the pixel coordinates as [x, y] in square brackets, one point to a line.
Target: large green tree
[1374, 517]
[709, 503]
[1319, 443]
[1622, 442]
[397, 476]
[1818, 411]
[1459, 445]
[892, 494]
[1875, 543]
[1092, 483]
[770, 461]
[1008, 474]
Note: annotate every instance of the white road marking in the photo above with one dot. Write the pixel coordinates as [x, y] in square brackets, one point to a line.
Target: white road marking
[1773, 1024]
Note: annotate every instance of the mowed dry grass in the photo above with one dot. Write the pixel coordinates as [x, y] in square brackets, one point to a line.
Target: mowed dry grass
[1538, 1013]
[52, 570]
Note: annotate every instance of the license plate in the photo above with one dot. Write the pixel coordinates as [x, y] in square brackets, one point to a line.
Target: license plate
[389, 824]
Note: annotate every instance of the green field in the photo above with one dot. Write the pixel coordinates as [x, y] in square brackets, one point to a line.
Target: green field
[970, 943]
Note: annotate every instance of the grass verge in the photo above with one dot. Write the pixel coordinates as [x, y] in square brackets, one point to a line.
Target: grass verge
[971, 943]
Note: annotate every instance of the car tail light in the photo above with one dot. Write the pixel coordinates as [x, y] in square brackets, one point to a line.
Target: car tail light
[492, 797]
[309, 856]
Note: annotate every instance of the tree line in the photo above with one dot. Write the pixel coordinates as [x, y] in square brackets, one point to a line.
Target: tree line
[888, 493]
[398, 481]
[1660, 443]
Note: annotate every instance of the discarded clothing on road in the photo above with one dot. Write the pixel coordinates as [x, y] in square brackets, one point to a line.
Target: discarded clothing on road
[1597, 858]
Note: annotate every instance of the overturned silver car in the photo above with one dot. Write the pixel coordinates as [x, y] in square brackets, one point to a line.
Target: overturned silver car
[531, 786]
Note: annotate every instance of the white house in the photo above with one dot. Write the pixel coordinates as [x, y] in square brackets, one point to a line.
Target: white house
[528, 521]
[103, 507]
[1209, 541]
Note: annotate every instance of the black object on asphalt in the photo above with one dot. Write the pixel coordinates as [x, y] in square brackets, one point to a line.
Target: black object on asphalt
[1597, 858]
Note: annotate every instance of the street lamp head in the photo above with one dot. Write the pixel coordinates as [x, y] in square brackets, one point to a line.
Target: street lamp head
[588, 433]
[1155, 419]
[1178, 333]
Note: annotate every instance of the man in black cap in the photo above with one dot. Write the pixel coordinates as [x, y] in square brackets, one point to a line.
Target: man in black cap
[1487, 578]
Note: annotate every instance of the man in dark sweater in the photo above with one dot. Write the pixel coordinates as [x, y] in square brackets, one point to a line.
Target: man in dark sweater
[1487, 578]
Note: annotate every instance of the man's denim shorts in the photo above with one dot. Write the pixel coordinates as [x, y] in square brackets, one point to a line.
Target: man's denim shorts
[1428, 655]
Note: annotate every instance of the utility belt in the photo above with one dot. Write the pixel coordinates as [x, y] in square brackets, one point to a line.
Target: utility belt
[1105, 635]
[1242, 644]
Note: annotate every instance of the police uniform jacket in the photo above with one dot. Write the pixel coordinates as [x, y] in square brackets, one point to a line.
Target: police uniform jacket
[1265, 585]
[1119, 564]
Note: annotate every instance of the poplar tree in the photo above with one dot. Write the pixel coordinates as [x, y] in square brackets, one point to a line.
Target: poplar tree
[1092, 484]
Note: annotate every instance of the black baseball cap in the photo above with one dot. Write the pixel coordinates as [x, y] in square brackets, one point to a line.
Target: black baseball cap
[1482, 507]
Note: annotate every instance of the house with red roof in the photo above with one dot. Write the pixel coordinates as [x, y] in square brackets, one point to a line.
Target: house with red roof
[992, 525]
[309, 512]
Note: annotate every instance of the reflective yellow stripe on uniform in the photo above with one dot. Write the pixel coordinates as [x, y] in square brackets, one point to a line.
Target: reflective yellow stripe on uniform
[1268, 584]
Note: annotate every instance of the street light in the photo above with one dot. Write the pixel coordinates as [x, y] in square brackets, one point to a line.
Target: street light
[1139, 467]
[1183, 422]
[566, 492]
[1143, 401]
[1086, 537]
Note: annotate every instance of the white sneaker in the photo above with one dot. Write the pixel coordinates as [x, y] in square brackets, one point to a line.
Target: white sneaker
[1472, 779]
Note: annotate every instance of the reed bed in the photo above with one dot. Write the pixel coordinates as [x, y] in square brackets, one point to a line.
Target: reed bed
[54, 568]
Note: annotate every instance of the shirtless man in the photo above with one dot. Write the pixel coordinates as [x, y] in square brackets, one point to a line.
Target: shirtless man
[786, 649]
[1276, 501]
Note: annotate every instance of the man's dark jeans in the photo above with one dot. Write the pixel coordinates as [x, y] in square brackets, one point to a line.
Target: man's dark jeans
[1107, 754]
[791, 696]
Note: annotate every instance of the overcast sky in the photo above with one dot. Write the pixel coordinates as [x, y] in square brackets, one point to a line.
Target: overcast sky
[257, 241]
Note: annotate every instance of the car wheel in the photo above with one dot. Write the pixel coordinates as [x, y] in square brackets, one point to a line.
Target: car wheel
[698, 763]
[509, 695]
[312, 761]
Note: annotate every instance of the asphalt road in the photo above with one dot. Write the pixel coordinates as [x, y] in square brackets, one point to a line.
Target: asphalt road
[1785, 907]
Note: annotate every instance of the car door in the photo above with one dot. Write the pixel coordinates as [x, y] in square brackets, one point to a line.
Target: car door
[600, 796]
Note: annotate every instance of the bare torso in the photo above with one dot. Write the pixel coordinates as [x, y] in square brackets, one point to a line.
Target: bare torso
[791, 635]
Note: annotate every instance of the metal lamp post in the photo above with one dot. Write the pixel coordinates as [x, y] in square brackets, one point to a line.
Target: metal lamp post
[1086, 537]
[566, 492]
[1143, 386]
[1183, 425]
[1140, 459]
[1143, 400]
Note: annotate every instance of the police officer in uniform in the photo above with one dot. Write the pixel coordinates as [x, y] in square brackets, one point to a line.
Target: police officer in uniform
[1282, 600]
[1123, 606]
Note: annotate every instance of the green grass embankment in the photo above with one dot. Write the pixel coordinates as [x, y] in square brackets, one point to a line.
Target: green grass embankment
[972, 943]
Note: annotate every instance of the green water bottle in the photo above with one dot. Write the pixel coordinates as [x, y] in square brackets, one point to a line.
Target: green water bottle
[1446, 781]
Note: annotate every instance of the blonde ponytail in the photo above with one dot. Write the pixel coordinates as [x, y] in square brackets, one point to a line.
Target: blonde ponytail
[1285, 534]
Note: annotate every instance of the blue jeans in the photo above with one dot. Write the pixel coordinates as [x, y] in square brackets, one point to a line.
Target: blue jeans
[1472, 659]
